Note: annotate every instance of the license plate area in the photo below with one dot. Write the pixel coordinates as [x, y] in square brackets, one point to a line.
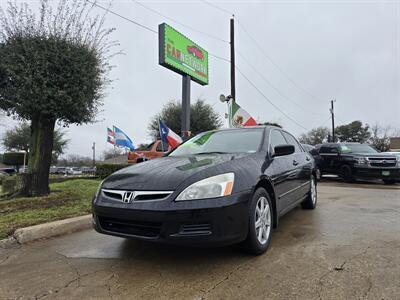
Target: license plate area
[385, 173]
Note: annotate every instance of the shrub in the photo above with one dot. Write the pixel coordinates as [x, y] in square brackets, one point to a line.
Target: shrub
[104, 170]
[11, 184]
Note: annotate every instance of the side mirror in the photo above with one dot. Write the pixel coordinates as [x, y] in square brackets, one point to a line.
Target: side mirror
[282, 150]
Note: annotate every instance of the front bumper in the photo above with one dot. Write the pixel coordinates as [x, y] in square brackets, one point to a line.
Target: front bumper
[378, 173]
[211, 222]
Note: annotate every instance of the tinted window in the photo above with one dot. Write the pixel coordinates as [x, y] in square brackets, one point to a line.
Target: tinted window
[292, 141]
[328, 149]
[224, 141]
[357, 148]
[276, 138]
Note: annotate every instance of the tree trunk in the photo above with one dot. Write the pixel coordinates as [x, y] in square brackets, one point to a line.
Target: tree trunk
[36, 181]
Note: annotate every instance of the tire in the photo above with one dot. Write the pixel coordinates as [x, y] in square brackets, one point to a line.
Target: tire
[260, 211]
[311, 201]
[389, 181]
[346, 174]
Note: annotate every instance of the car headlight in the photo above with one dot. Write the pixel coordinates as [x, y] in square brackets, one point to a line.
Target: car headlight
[361, 160]
[212, 187]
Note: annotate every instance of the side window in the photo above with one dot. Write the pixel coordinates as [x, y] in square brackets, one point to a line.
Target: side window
[162, 147]
[276, 138]
[292, 141]
[324, 149]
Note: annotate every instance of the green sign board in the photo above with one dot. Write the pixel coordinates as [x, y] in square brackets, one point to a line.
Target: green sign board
[180, 54]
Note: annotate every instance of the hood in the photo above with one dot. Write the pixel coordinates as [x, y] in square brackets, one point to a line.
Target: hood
[379, 154]
[165, 173]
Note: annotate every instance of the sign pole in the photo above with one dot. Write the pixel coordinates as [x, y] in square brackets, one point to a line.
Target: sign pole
[232, 42]
[185, 118]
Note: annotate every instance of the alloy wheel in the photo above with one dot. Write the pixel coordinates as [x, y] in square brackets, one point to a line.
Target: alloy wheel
[263, 220]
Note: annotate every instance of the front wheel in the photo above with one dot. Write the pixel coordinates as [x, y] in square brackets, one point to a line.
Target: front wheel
[260, 223]
[311, 201]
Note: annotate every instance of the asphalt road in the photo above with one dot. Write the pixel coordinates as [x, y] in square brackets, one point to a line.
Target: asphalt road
[348, 248]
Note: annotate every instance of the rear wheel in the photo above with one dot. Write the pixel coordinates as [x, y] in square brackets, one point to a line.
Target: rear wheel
[346, 173]
[311, 200]
[260, 223]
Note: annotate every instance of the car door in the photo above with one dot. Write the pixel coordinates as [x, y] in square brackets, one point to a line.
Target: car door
[282, 170]
[303, 167]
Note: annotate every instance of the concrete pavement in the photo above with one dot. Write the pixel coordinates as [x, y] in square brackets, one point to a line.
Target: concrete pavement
[348, 248]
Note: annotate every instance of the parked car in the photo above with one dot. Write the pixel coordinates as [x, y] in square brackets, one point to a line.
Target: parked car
[4, 174]
[88, 170]
[313, 150]
[73, 171]
[154, 150]
[354, 161]
[9, 171]
[218, 188]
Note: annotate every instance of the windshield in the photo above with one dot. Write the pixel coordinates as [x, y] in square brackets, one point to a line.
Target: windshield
[357, 148]
[230, 141]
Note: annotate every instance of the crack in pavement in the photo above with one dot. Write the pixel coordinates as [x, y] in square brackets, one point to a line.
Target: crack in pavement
[338, 269]
[5, 259]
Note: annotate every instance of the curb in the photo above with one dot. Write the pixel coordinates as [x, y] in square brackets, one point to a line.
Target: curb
[47, 230]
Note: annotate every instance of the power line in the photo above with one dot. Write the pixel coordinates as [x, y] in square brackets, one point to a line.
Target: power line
[218, 7]
[266, 98]
[122, 17]
[178, 22]
[274, 63]
[272, 86]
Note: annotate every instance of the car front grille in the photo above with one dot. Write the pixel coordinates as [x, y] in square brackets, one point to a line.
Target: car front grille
[131, 196]
[193, 230]
[134, 228]
[382, 162]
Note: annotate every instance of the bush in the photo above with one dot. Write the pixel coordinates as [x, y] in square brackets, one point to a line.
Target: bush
[11, 184]
[104, 170]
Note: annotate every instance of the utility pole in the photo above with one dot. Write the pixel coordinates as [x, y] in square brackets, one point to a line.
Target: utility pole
[94, 154]
[232, 42]
[333, 121]
[185, 117]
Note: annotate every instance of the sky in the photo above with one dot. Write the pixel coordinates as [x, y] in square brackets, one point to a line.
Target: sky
[298, 54]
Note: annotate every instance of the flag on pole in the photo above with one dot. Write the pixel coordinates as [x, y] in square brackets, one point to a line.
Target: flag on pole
[110, 136]
[240, 117]
[168, 136]
[122, 140]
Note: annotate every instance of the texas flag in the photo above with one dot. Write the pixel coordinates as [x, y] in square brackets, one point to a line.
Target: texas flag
[168, 136]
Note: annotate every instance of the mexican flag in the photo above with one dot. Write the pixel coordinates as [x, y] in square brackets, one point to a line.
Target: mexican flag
[240, 117]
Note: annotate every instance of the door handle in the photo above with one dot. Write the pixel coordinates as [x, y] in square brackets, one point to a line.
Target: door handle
[295, 162]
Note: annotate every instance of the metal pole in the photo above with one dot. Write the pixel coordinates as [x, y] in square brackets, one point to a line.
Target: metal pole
[94, 153]
[161, 140]
[185, 118]
[333, 122]
[232, 42]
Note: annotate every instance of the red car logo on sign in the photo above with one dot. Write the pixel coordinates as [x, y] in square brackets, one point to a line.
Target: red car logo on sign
[196, 52]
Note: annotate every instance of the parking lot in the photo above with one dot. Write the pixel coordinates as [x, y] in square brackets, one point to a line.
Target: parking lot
[348, 248]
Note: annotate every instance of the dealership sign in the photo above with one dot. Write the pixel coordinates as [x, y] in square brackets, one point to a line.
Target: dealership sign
[180, 54]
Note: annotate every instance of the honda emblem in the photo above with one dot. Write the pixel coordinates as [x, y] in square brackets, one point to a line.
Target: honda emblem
[128, 197]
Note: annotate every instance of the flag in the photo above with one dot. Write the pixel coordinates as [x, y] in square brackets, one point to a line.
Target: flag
[122, 140]
[110, 136]
[168, 136]
[240, 117]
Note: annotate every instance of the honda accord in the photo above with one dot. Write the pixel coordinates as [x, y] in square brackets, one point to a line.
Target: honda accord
[218, 188]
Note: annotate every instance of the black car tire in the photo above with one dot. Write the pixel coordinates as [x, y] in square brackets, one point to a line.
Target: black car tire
[389, 181]
[252, 244]
[311, 201]
[346, 173]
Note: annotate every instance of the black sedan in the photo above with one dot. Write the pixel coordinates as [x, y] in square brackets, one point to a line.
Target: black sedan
[218, 188]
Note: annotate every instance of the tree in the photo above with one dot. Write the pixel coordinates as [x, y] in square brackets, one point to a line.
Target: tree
[202, 118]
[353, 132]
[53, 68]
[315, 136]
[380, 137]
[113, 153]
[75, 160]
[18, 138]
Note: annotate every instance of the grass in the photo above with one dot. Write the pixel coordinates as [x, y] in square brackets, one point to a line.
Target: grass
[67, 199]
